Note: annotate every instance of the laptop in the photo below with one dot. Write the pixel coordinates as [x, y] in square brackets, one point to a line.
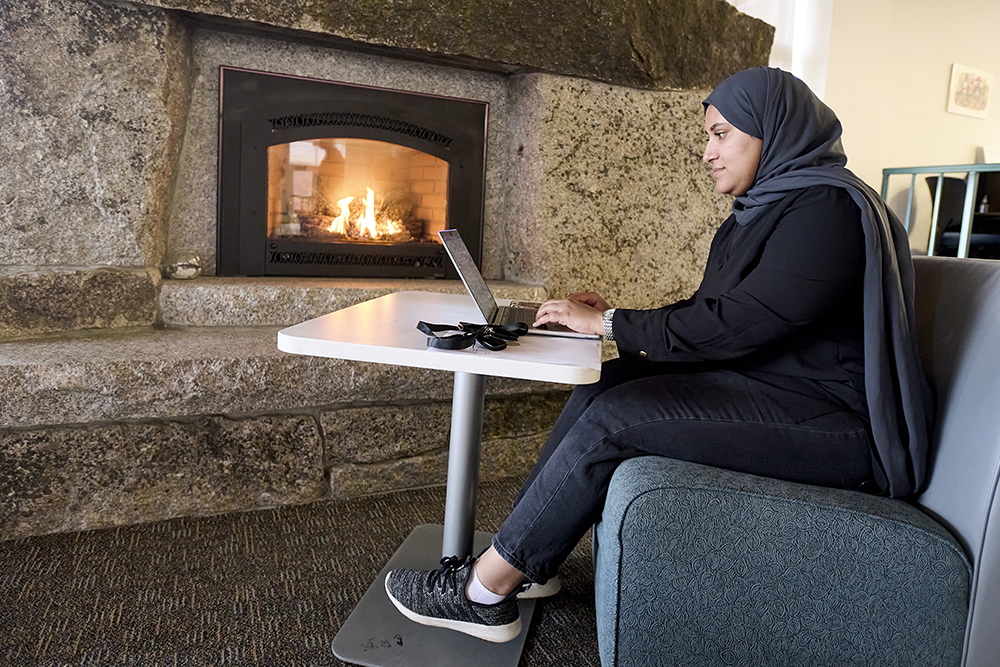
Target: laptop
[517, 311]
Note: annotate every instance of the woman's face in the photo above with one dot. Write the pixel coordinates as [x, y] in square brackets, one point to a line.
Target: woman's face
[733, 154]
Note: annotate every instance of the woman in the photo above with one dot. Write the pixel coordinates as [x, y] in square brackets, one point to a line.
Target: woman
[795, 359]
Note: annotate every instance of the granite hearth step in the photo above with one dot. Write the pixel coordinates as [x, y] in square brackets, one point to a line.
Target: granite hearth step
[147, 373]
[214, 352]
[104, 428]
[39, 300]
[271, 301]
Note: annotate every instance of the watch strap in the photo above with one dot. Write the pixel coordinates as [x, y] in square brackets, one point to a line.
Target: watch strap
[608, 318]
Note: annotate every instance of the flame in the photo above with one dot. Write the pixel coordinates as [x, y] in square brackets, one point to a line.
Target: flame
[367, 223]
[340, 221]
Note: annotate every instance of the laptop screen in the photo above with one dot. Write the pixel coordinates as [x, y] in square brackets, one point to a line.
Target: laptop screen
[466, 267]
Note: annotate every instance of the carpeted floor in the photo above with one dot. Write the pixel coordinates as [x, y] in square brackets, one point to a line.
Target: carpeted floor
[269, 587]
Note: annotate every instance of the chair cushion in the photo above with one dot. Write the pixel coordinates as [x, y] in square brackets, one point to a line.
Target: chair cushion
[702, 566]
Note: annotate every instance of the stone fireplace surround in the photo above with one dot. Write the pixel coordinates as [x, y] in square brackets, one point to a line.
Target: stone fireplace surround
[132, 398]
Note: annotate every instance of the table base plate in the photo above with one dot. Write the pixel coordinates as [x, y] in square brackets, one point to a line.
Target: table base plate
[377, 635]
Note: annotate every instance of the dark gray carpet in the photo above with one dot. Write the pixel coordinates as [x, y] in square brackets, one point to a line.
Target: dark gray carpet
[260, 588]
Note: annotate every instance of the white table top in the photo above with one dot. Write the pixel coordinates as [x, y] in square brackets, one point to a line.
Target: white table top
[384, 331]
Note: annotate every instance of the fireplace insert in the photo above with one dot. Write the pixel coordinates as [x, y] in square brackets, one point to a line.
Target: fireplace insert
[318, 178]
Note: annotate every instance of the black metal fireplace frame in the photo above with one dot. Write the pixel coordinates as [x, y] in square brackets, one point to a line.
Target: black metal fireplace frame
[260, 109]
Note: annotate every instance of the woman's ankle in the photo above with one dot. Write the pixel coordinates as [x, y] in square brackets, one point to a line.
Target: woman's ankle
[477, 592]
[496, 574]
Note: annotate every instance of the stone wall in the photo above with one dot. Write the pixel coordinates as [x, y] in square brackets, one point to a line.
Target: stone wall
[204, 414]
[107, 137]
[655, 44]
[132, 398]
[82, 477]
[94, 102]
[612, 193]
[580, 176]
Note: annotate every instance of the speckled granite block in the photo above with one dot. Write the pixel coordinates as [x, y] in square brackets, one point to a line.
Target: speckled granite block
[65, 479]
[514, 431]
[377, 449]
[617, 199]
[219, 301]
[143, 374]
[385, 433]
[36, 301]
[94, 98]
[646, 43]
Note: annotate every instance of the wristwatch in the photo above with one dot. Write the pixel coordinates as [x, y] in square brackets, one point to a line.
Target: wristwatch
[608, 317]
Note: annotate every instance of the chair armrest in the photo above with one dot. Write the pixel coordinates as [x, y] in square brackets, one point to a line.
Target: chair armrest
[702, 566]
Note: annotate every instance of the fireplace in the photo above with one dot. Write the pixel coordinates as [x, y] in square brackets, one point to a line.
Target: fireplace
[318, 178]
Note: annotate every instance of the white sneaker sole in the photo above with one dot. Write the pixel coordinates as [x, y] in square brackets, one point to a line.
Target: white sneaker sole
[548, 589]
[491, 633]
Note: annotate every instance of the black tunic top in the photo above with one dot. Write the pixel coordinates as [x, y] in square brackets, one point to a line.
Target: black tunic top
[781, 299]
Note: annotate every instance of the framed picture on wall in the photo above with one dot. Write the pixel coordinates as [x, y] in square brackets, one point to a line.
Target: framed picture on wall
[969, 91]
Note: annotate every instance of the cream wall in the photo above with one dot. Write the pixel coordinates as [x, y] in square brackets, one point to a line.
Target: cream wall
[889, 69]
[801, 36]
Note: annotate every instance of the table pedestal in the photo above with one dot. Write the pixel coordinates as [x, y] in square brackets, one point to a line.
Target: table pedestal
[376, 634]
[467, 402]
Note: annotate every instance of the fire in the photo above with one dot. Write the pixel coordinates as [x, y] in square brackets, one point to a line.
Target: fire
[365, 224]
[339, 223]
[345, 190]
[368, 221]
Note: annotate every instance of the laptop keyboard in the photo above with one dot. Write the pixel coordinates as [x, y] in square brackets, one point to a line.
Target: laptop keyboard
[525, 311]
[518, 311]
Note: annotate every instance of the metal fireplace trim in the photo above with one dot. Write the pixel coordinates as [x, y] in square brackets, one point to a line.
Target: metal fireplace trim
[261, 109]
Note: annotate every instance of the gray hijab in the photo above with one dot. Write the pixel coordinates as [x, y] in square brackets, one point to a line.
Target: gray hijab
[802, 148]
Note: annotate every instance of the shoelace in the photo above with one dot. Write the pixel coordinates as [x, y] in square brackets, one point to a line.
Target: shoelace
[444, 576]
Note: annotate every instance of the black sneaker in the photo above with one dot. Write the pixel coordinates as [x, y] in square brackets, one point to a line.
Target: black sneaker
[437, 598]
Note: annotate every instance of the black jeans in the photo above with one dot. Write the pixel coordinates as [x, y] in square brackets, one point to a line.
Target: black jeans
[790, 430]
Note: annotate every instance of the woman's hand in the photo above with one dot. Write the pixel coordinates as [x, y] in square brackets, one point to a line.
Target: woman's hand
[592, 299]
[582, 314]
